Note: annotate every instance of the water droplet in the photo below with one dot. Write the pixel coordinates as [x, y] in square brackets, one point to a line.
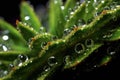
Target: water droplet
[108, 35]
[67, 60]
[66, 17]
[62, 7]
[22, 57]
[79, 48]
[3, 73]
[52, 61]
[54, 37]
[114, 18]
[42, 30]
[5, 37]
[55, 1]
[89, 42]
[111, 50]
[19, 61]
[3, 47]
[66, 32]
[102, 1]
[46, 68]
[43, 44]
[80, 22]
[10, 67]
[27, 18]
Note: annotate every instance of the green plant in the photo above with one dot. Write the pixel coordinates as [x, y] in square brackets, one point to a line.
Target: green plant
[76, 31]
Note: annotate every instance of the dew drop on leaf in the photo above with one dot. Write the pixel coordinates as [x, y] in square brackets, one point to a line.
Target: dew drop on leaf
[66, 32]
[79, 48]
[67, 60]
[5, 37]
[62, 7]
[52, 61]
[22, 57]
[89, 42]
[27, 18]
[111, 51]
[102, 1]
[3, 47]
[46, 68]
[42, 30]
[3, 73]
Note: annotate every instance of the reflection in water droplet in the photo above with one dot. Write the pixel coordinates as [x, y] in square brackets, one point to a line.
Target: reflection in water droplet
[52, 61]
[111, 50]
[27, 18]
[89, 42]
[79, 48]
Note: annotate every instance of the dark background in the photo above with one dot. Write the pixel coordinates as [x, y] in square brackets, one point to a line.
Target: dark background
[9, 10]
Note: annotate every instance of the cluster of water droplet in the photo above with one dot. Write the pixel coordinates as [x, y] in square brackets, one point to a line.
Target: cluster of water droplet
[4, 40]
[80, 47]
[3, 71]
[17, 62]
[51, 62]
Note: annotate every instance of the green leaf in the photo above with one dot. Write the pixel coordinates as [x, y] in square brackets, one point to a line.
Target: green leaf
[69, 5]
[80, 11]
[26, 31]
[28, 16]
[56, 19]
[13, 33]
[39, 42]
[82, 56]
[9, 55]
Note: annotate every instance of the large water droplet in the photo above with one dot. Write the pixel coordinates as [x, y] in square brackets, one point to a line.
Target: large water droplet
[22, 57]
[89, 42]
[19, 61]
[79, 48]
[52, 61]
